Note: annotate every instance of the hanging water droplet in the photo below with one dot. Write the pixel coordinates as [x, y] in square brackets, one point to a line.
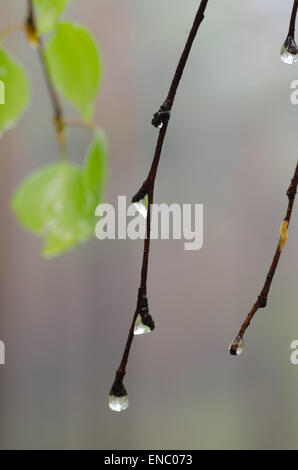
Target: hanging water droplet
[236, 348]
[140, 328]
[141, 206]
[289, 51]
[287, 57]
[118, 403]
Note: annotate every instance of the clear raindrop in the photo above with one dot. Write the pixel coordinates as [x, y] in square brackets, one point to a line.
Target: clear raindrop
[118, 403]
[236, 348]
[140, 328]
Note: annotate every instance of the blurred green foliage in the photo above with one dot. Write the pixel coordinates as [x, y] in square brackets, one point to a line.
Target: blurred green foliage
[16, 89]
[48, 13]
[59, 201]
[75, 65]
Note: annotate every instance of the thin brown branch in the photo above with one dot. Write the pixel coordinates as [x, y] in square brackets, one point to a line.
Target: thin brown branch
[261, 301]
[33, 37]
[160, 120]
[293, 19]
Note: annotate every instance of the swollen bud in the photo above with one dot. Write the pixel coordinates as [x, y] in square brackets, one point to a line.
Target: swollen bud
[143, 326]
[144, 322]
[31, 34]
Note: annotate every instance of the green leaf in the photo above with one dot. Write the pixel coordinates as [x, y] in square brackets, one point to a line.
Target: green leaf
[48, 13]
[32, 198]
[75, 65]
[52, 202]
[16, 91]
[95, 171]
[59, 201]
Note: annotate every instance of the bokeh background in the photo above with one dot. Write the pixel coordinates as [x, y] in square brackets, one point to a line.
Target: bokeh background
[231, 145]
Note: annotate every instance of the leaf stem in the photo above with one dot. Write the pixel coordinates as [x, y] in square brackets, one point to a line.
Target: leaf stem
[293, 19]
[31, 27]
[11, 29]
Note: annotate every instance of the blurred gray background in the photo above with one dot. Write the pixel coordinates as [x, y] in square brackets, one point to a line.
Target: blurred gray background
[231, 145]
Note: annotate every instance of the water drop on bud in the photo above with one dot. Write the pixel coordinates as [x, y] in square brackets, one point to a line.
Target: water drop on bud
[289, 51]
[140, 328]
[236, 348]
[118, 403]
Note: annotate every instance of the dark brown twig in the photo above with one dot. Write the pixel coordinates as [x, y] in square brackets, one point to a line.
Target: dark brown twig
[160, 120]
[33, 36]
[290, 45]
[293, 20]
[261, 301]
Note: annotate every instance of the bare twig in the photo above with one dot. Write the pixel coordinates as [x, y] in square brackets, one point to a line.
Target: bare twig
[160, 120]
[293, 19]
[261, 301]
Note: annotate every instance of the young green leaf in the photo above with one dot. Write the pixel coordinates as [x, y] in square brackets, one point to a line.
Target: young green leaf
[67, 222]
[75, 65]
[95, 171]
[15, 89]
[31, 199]
[59, 201]
[48, 13]
[52, 202]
